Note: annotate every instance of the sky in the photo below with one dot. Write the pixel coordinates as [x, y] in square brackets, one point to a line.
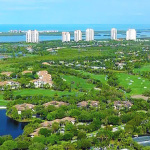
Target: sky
[74, 12]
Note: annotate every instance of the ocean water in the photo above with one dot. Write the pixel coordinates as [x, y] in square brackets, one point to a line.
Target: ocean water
[71, 27]
[143, 31]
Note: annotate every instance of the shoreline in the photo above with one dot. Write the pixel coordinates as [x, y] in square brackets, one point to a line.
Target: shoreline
[3, 107]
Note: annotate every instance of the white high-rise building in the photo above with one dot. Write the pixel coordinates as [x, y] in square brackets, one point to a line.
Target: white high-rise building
[77, 35]
[89, 35]
[114, 34]
[65, 36]
[32, 36]
[131, 34]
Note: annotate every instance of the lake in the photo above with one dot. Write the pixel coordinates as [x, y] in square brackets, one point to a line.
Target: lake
[9, 126]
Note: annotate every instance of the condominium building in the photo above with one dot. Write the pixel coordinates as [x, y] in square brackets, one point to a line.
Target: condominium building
[65, 36]
[77, 35]
[32, 36]
[131, 34]
[89, 35]
[114, 34]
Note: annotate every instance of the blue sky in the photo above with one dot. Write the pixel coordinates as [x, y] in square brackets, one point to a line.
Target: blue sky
[74, 12]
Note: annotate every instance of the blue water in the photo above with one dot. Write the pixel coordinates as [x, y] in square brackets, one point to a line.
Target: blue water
[143, 140]
[141, 30]
[9, 126]
[1, 57]
[71, 27]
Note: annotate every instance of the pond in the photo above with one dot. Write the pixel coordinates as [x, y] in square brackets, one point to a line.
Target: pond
[9, 126]
[1, 57]
[143, 140]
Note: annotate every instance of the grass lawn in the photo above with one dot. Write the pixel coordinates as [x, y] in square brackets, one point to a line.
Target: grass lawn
[144, 68]
[45, 92]
[137, 84]
[2, 102]
[143, 111]
[78, 82]
[102, 78]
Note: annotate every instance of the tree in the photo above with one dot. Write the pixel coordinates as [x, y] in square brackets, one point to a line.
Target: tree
[68, 136]
[14, 113]
[56, 147]
[8, 95]
[10, 144]
[114, 120]
[70, 127]
[26, 114]
[37, 146]
[22, 144]
[81, 135]
[5, 138]
[45, 132]
[55, 127]
[84, 144]
[50, 117]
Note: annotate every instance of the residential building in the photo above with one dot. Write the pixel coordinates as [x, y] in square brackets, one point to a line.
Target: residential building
[82, 104]
[114, 34]
[77, 35]
[6, 73]
[55, 103]
[122, 104]
[10, 84]
[23, 107]
[140, 97]
[94, 103]
[65, 36]
[131, 34]
[49, 123]
[26, 71]
[88, 103]
[44, 79]
[32, 36]
[89, 35]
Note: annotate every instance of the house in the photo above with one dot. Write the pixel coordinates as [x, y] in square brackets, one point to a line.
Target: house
[121, 104]
[49, 123]
[22, 107]
[46, 63]
[36, 131]
[94, 103]
[140, 97]
[44, 78]
[11, 84]
[69, 119]
[120, 65]
[26, 71]
[6, 73]
[89, 102]
[29, 49]
[82, 104]
[55, 103]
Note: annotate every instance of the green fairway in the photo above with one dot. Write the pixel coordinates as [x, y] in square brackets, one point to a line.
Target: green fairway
[144, 68]
[78, 82]
[102, 78]
[137, 84]
[2, 102]
[44, 92]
